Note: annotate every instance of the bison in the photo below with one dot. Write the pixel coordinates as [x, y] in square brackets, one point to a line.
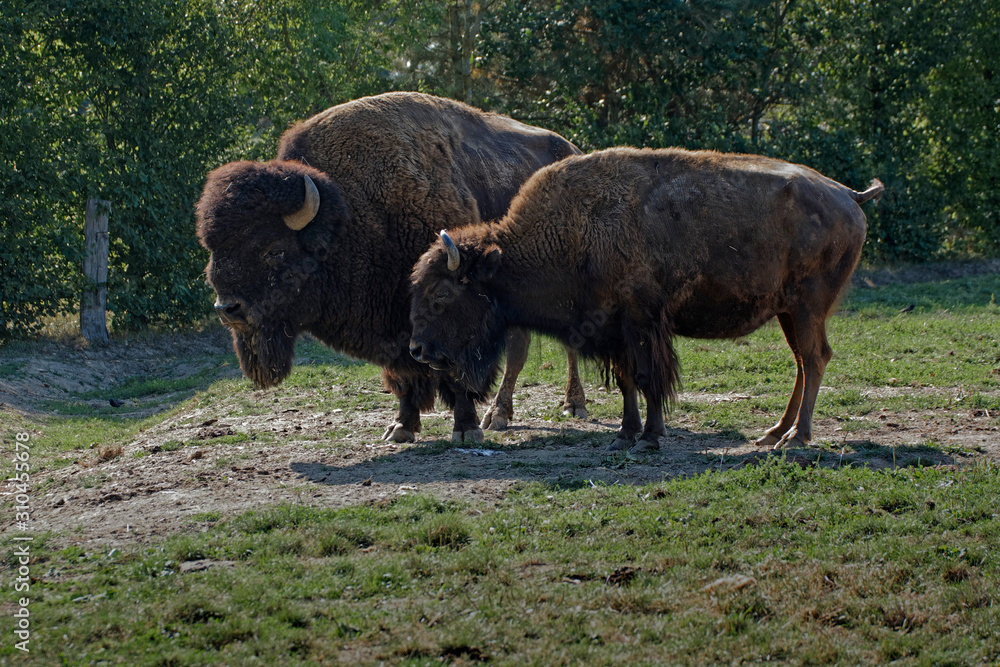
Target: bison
[323, 238]
[617, 252]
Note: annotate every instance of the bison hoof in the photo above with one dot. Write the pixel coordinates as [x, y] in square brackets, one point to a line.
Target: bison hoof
[398, 433]
[579, 412]
[472, 435]
[791, 440]
[494, 420]
[645, 446]
[622, 444]
[767, 440]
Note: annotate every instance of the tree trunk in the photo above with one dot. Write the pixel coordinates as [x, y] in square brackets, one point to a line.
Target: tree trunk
[93, 309]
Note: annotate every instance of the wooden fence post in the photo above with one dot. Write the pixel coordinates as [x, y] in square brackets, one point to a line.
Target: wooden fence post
[93, 309]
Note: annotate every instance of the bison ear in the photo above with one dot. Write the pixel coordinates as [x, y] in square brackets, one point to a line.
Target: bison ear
[489, 263]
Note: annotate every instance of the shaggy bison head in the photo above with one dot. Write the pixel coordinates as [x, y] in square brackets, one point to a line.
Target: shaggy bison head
[457, 323]
[269, 228]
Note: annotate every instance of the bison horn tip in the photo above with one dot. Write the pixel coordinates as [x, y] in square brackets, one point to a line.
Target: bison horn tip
[304, 215]
[454, 259]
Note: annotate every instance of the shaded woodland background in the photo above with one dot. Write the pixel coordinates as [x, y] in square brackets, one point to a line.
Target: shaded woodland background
[135, 102]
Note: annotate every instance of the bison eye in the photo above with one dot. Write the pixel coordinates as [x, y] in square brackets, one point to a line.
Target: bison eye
[274, 257]
[442, 294]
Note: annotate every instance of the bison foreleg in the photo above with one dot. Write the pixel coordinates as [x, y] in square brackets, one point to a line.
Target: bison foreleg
[502, 409]
[466, 421]
[414, 394]
[575, 404]
[649, 441]
[396, 432]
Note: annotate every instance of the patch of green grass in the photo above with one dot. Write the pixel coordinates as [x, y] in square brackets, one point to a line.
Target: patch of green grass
[855, 425]
[433, 447]
[96, 479]
[80, 427]
[10, 369]
[232, 439]
[860, 452]
[973, 292]
[308, 350]
[978, 401]
[838, 565]
[528, 467]
[144, 385]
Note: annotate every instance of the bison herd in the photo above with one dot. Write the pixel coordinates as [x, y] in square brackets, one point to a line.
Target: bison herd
[429, 238]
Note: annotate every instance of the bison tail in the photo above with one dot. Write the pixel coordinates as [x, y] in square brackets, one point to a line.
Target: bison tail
[874, 191]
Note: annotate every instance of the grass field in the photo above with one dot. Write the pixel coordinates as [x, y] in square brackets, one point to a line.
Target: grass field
[772, 563]
[869, 547]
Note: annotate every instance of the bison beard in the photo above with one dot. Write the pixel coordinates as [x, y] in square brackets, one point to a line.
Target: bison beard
[474, 368]
[265, 355]
[265, 342]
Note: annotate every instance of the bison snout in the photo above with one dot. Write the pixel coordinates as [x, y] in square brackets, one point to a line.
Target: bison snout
[425, 353]
[417, 350]
[231, 311]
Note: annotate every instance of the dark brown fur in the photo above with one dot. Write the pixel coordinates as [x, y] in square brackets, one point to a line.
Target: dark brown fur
[618, 251]
[391, 170]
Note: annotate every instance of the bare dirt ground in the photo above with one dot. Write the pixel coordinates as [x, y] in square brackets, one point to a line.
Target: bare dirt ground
[150, 491]
[154, 487]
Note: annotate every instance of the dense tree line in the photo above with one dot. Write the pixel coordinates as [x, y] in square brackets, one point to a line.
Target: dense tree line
[135, 102]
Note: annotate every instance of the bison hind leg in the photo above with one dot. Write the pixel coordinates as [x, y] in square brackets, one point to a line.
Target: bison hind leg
[575, 404]
[774, 434]
[805, 333]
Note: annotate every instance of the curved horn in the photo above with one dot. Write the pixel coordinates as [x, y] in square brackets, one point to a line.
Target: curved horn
[454, 259]
[304, 215]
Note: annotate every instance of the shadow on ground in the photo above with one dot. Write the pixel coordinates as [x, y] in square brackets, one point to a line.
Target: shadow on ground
[569, 458]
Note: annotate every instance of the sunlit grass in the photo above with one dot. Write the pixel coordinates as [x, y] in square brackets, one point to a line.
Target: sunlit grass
[770, 562]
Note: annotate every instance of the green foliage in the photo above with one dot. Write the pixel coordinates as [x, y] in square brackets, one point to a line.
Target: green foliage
[135, 102]
[668, 74]
[125, 103]
[897, 90]
[36, 271]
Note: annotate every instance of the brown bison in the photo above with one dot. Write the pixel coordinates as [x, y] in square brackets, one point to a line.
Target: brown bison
[323, 239]
[617, 252]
